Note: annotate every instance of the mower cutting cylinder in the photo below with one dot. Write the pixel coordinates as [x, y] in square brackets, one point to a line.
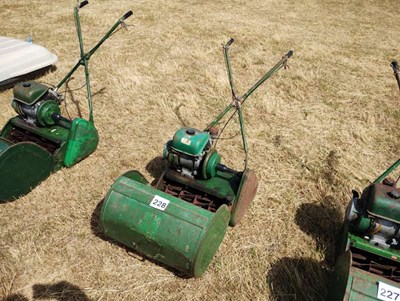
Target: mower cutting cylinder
[162, 227]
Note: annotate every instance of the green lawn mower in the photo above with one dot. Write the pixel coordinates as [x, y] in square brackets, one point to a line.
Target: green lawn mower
[182, 219]
[369, 265]
[39, 141]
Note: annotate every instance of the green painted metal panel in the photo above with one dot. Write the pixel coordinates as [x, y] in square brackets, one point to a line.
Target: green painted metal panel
[363, 244]
[182, 236]
[190, 141]
[82, 141]
[22, 167]
[382, 204]
[362, 285]
[29, 92]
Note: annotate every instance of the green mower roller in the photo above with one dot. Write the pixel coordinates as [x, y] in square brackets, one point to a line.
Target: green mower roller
[39, 141]
[182, 220]
[368, 267]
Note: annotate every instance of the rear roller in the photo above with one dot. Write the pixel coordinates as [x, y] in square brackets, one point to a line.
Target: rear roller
[162, 227]
[22, 167]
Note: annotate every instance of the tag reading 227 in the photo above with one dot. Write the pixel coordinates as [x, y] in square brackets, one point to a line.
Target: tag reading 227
[388, 292]
[159, 203]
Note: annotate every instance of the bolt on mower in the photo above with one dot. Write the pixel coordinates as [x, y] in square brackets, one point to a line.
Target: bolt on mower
[39, 141]
[182, 220]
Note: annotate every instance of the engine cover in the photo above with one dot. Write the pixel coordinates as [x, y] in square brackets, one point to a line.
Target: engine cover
[35, 103]
[190, 153]
[191, 141]
[383, 201]
[375, 216]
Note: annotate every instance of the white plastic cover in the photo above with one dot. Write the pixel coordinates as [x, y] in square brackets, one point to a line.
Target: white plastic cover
[18, 57]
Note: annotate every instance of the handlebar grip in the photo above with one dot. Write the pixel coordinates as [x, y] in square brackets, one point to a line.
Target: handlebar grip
[395, 66]
[127, 15]
[289, 54]
[83, 3]
[230, 42]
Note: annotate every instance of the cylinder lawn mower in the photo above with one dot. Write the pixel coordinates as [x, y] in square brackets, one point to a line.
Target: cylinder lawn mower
[368, 267]
[39, 140]
[182, 220]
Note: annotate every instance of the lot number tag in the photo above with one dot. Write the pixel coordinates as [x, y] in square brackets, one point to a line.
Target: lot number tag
[161, 203]
[387, 292]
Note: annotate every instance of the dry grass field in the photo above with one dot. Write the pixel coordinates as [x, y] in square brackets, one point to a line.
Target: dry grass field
[327, 124]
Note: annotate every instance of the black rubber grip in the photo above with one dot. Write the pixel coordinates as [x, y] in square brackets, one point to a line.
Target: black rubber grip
[289, 54]
[83, 3]
[394, 65]
[230, 42]
[127, 15]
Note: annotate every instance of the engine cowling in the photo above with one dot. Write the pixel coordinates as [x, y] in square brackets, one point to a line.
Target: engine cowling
[376, 215]
[190, 152]
[36, 103]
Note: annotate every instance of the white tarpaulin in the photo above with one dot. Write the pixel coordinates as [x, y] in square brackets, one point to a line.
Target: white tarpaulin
[18, 57]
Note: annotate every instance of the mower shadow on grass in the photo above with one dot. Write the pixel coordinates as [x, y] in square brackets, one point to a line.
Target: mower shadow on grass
[69, 90]
[60, 291]
[155, 168]
[15, 297]
[98, 232]
[297, 279]
[307, 278]
[322, 221]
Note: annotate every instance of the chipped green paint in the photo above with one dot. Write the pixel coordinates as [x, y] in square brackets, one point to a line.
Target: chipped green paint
[182, 236]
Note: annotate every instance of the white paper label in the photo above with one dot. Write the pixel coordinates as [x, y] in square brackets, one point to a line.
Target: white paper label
[387, 292]
[186, 141]
[159, 203]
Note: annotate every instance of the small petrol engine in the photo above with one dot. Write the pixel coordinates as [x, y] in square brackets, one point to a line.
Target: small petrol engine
[37, 104]
[191, 153]
[376, 214]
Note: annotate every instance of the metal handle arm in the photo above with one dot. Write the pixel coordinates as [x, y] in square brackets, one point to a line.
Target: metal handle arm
[274, 69]
[90, 53]
[395, 67]
[387, 172]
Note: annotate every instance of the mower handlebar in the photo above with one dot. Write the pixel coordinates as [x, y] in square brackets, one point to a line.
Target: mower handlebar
[127, 15]
[395, 66]
[83, 3]
[289, 54]
[230, 42]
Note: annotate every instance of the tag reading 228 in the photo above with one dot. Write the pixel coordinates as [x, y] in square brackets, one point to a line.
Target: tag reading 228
[159, 203]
